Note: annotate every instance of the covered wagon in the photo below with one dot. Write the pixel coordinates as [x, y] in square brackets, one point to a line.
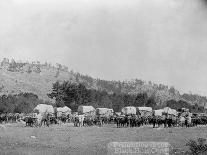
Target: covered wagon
[144, 111]
[158, 112]
[129, 110]
[88, 110]
[101, 111]
[63, 111]
[104, 111]
[170, 111]
[43, 109]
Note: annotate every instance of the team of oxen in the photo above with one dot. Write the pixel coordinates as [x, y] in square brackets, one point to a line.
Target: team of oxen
[166, 117]
[88, 116]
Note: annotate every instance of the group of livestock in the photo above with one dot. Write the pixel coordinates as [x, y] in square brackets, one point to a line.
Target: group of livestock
[166, 117]
[9, 117]
[44, 114]
[88, 116]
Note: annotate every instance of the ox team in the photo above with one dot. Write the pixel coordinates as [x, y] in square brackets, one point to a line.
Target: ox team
[128, 117]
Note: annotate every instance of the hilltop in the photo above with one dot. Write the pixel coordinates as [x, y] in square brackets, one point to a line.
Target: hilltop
[37, 78]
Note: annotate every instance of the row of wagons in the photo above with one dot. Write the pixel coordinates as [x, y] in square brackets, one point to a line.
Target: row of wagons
[90, 110]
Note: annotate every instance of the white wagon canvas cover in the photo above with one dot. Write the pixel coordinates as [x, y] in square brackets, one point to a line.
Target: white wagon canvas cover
[86, 109]
[159, 112]
[170, 111]
[104, 111]
[44, 108]
[63, 110]
[145, 111]
[129, 110]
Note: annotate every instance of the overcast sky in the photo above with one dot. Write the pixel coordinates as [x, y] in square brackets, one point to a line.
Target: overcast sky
[164, 41]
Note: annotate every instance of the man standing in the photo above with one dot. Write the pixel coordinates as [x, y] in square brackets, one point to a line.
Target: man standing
[189, 120]
[48, 119]
[186, 120]
[153, 119]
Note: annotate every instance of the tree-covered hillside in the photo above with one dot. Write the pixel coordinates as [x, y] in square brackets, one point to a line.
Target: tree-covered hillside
[74, 94]
[38, 78]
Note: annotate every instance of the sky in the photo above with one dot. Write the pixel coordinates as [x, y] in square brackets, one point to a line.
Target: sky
[163, 41]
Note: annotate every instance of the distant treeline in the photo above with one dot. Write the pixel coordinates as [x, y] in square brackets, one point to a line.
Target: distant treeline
[74, 94]
[160, 92]
[13, 66]
[19, 103]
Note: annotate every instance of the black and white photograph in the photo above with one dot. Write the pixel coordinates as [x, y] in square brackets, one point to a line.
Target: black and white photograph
[103, 77]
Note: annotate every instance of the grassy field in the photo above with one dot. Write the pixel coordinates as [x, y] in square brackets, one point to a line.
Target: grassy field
[15, 139]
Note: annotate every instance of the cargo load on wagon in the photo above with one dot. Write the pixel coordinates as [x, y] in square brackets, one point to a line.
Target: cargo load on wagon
[129, 110]
[158, 112]
[63, 111]
[170, 111]
[101, 111]
[144, 111]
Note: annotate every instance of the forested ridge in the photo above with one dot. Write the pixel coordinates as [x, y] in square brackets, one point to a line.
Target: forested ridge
[38, 78]
[75, 94]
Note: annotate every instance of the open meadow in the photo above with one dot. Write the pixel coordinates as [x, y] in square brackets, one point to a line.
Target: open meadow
[15, 139]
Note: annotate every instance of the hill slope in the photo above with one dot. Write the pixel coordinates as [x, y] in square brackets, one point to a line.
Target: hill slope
[16, 77]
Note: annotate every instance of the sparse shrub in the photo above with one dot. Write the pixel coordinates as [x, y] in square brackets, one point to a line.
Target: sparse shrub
[29, 69]
[198, 147]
